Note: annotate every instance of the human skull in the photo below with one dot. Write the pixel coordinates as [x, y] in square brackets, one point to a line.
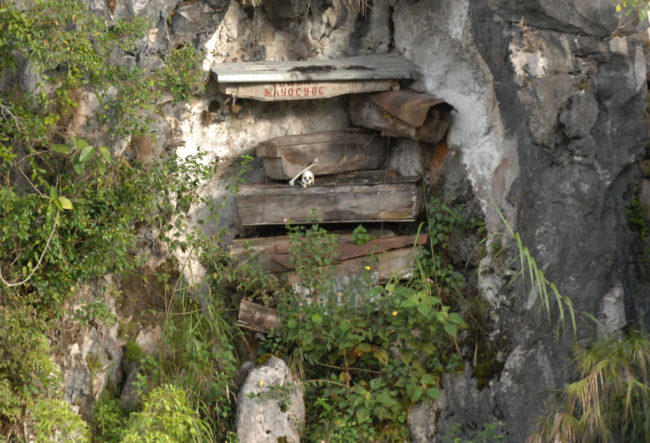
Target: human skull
[307, 179]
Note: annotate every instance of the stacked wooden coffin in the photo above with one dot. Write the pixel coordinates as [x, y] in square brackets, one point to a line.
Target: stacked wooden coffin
[335, 176]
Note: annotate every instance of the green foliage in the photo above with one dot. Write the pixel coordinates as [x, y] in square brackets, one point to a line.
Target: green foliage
[109, 420]
[198, 357]
[72, 49]
[53, 420]
[636, 219]
[26, 370]
[167, 416]
[611, 399]
[363, 363]
[489, 433]
[69, 211]
[637, 7]
[360, 235]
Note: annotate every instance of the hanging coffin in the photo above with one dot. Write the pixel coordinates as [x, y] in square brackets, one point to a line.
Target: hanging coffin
[337, 151]
[403, 113]
[312, 79]
[374, 196]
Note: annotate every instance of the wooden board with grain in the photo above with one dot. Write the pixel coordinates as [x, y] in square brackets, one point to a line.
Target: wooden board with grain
[365, 67]
[305, 90]
[272, 253]
[337, 151]
[395, 263]
[395, 199]
[256, 317]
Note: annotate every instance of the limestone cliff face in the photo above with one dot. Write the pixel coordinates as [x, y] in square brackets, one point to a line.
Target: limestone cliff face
[550, 126]
[550, 98]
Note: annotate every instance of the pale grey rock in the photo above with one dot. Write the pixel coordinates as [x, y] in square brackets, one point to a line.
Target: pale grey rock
[91, 360]
[270, 405]
[550, 118]
[194, 18]
[612, 310]
[149, 339]
[422, 418]
[378, 38]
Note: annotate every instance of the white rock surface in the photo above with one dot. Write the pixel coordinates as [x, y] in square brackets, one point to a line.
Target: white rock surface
[270, 405]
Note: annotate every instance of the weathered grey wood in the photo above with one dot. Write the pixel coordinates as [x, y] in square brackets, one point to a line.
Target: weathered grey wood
[337, 151]
[256, 317]
[396, 199]
[366, 67]
[304, 90]
[395, 263]
[273, 255]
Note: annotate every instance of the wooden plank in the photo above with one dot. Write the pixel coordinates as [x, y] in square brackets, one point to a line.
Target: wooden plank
[366, 67]
[397, 262]
[347, 178]
[337, 151]
[273, 253]
[256, 317]
[395, 200]
[304, 90]
[280, 244]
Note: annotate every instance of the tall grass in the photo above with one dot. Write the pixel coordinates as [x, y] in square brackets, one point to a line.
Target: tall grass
[537, 281]
[610, 402]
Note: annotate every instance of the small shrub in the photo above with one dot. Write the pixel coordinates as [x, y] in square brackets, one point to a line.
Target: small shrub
[167, 417]
[53, 420]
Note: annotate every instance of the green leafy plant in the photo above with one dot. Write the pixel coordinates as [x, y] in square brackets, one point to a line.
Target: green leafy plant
[53, 420]
[363, 365]
[109, 419]
[637, 7]
[488, 433]
[167, 415]
[360, 235]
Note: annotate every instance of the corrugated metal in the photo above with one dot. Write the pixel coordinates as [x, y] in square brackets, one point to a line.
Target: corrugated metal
[365, 67]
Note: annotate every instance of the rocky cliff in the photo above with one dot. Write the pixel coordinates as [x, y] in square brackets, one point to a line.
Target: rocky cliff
[550, 99]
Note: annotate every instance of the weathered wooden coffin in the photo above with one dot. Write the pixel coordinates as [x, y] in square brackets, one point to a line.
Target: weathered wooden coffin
[403, 113]
[341, 199]
[312, 79]
[272, 253]
[337, 151]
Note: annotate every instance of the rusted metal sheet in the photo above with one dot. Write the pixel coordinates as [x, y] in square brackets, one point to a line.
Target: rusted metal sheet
[338, 200]
[304, 90]
[337, 151]
[365, 67]
[403, 113]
